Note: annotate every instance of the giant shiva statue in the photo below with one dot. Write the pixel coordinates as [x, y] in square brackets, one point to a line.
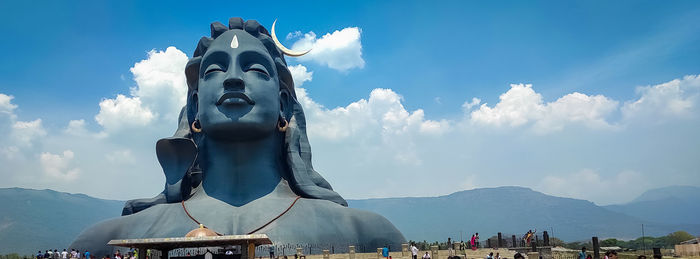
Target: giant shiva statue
[240, 160]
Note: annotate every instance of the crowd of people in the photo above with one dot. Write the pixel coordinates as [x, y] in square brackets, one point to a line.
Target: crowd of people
[77, 254]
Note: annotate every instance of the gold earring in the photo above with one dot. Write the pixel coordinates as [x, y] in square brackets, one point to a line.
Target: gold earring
[194, 127]
[282, 128]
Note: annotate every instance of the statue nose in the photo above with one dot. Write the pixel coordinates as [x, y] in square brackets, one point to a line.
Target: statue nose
[234, 84]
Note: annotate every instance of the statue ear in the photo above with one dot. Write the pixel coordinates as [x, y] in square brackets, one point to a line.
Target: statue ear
[192, 107]
[286, 108]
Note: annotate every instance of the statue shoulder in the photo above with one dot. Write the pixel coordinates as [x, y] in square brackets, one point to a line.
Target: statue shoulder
[137, 225]
[96, 237]
[365, 225]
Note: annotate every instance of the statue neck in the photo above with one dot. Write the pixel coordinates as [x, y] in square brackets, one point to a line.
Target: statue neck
[239, 172]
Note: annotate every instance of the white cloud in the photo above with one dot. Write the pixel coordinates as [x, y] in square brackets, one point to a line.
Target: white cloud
[161, 83]
[676, 98]
[300, 74]
[159, 93]
[383, 112]
[340, 50]
[123, 113]
[521, 105]
[76, 127]
[123, 156]
[292, 35]
[6, 106]
[26, 133]
[58, 166]
[467, 106]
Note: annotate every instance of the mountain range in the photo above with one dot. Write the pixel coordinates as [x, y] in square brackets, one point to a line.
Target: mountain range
[34, 220]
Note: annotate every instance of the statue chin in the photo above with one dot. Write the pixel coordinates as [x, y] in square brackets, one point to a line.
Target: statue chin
[239, 131]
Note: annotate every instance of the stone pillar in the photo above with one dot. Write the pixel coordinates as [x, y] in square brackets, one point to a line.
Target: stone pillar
[488, 243]
[500, 240]
[326, 254]
[379, 253]
[657, 253]
[533, 255]
[596, 248]
[351, 252]
[514, 243]
[142, 253]
[434, 252]
[251, 250]
[545, 236]
[404, 250]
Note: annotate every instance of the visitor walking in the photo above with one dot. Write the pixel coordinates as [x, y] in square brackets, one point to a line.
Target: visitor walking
[414, 251]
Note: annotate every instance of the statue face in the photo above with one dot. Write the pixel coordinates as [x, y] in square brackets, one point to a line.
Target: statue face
[238, 95]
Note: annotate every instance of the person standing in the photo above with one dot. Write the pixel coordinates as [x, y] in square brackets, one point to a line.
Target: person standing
[64, 254]
[87, 254]
[472, 242]
[450, 252]
[582, 254]
[414, 251]
[385, 251]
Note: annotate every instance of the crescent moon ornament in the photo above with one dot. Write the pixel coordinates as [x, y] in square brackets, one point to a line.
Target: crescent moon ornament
[285, 50]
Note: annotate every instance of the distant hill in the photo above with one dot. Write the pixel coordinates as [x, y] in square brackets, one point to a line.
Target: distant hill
[672, 205]
[32, 220]
[509, 210]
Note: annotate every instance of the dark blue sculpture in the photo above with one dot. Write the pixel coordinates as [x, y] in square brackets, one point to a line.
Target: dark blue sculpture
[240, 161]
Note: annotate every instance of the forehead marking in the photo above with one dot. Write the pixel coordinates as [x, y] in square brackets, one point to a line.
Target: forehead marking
[234, 42]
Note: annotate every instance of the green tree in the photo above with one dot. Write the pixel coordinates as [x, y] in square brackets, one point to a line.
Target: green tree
[610, 242]
[678, 237]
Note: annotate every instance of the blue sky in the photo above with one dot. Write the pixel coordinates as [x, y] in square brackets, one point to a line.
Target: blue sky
[628, 125]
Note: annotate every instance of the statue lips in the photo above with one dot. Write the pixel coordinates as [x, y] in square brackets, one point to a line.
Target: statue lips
[232, 96]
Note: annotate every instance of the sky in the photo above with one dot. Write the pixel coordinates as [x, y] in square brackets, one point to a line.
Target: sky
[595, 100]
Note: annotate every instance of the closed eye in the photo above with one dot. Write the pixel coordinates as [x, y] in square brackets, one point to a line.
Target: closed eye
[259, 69]
[213, 68]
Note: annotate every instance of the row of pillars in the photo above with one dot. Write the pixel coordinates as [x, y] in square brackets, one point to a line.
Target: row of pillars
[500, 241]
